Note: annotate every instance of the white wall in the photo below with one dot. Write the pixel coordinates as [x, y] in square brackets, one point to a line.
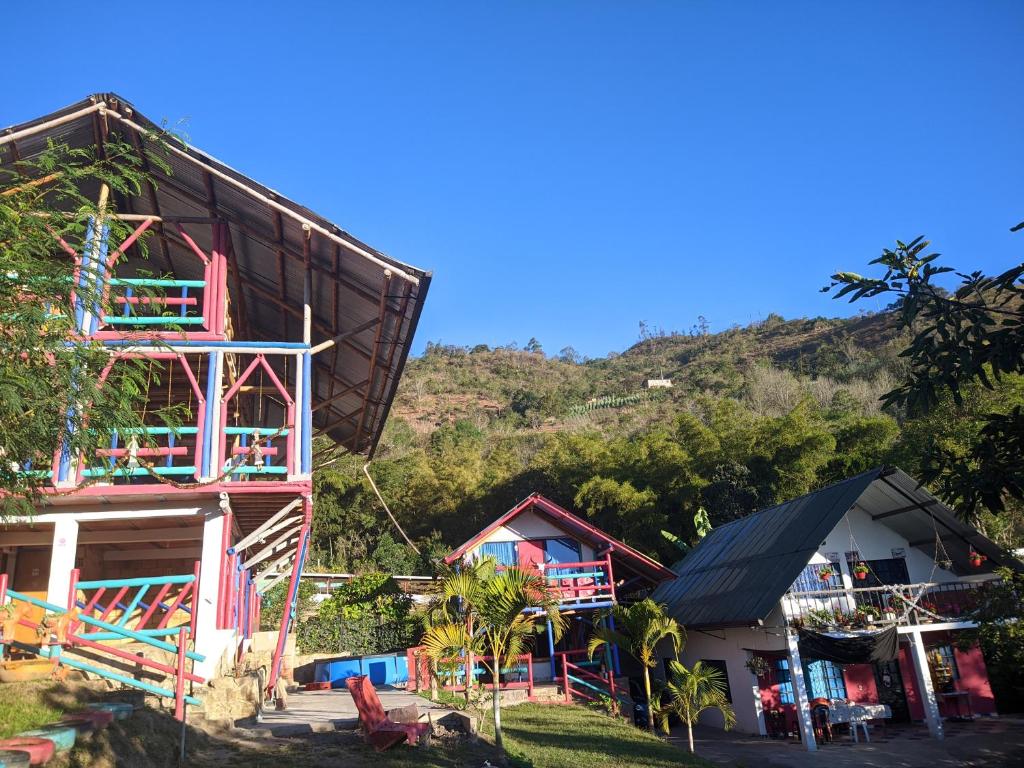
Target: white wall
[873, 540]
[730, 646]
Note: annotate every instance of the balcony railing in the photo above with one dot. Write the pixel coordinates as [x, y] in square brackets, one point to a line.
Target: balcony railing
[581, 584]
[900, 604]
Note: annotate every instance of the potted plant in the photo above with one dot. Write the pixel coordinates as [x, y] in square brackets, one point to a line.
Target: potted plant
[758, 665]
[860, 571]
[977, 559]
[868, 615]
[826, 572]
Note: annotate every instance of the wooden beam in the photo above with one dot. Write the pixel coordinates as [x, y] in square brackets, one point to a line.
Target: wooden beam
[154, 553]
[120, 536]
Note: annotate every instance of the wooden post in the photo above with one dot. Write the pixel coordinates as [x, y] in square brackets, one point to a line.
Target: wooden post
[73, 589]
[179, 681]
[565, 679]
[195, 601]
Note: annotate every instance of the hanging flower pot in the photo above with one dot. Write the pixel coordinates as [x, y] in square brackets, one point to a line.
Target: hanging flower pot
[826, 573]
[860, 571]
[977, 559]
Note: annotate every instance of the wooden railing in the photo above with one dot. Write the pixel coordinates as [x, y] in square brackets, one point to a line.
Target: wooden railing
[522, 667]
[578, 584]
[580, 683]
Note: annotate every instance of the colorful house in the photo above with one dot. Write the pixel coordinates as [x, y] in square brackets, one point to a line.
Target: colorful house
[271, 326]
[590, 570]
[771, 600]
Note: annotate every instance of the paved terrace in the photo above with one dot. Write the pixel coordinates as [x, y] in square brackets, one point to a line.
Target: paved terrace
[324, 711]
[984, 743]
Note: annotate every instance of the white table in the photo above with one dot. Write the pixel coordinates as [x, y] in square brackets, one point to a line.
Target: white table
[842, 711]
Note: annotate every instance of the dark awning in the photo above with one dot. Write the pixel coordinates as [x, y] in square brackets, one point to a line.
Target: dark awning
[860, 648]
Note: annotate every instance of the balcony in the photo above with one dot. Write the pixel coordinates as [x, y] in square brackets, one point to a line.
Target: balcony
[884, 606]
[581, 585]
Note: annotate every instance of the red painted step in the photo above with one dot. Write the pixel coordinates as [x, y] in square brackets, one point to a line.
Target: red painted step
[89, 719]
[39, 750]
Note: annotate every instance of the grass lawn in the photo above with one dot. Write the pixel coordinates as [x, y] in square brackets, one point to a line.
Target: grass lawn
[546, 736]
[23, 708]
[536, 736]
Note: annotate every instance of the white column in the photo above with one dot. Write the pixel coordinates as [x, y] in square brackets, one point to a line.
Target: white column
[62, 560]
[762, 727]
[924, 685]
[803, 707]
[209, 640]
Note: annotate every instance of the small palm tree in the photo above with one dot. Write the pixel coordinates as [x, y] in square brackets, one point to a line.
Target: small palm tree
[455, 603]
[639, 629]
[508, 610]
[695, 690]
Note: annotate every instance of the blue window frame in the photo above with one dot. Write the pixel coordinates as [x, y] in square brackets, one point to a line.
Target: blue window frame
[825, 680]
[785, 681]
[503, 551]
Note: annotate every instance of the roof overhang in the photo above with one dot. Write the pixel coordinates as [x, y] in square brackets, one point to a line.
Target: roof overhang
[368, 302]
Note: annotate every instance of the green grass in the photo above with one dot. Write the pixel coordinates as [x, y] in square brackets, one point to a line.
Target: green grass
[22, 710]
[546, 736]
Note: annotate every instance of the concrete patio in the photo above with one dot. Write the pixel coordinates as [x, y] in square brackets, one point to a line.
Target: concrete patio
[986, 742]
[324, 711]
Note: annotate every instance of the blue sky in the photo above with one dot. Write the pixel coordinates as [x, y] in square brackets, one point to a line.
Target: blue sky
[568, 169]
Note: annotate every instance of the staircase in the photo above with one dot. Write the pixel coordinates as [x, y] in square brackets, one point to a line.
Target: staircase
[105, 626]
[580, 684]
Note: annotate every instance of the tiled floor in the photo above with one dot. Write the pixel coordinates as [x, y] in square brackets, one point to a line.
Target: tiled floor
[986, 742]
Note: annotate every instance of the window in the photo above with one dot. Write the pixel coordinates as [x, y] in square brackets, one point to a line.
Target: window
[720, 666]
[825, 680]
[561, 551]
[810, 581]
[502, 551]
[942, 663]
[785, 681]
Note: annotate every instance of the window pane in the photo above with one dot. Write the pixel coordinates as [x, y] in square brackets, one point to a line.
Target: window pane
[784, 681]
[502, 551]
[561, 551]
[825, 680]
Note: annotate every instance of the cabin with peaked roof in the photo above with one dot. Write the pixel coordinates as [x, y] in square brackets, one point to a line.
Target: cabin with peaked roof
[591, 570]
[852, 593]
[270, 325]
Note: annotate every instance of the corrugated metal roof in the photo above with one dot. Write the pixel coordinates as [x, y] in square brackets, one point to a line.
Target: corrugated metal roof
[739, 572]
[350, 281]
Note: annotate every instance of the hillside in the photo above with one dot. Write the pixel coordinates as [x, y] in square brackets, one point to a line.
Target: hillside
[755, 415]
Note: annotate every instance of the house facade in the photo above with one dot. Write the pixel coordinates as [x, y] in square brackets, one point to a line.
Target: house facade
[798, 602]
[266, 326]
[591, 572]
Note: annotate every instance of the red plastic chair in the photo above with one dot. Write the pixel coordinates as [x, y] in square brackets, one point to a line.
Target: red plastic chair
[380, 730]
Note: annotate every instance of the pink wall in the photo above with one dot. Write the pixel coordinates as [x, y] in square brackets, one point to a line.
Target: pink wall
[973, 679]
[860, 683]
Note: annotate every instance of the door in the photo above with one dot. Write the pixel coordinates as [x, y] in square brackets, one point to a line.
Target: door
[889, 683]
[530, 553]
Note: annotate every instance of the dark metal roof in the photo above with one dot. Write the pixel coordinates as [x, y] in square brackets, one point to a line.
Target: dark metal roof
[739, 572]
[354, 288]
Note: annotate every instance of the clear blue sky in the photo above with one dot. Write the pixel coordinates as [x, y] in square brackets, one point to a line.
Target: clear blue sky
[568, 169]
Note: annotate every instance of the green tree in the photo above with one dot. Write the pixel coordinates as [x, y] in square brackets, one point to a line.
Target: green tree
[696, 690]
[504, 627]
[51, 392]
[639, 628]
[974, 334]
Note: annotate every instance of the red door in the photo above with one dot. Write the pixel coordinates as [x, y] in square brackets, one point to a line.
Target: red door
[531, 553]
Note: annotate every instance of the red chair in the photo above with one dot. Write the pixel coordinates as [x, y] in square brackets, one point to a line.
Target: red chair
[379, 729]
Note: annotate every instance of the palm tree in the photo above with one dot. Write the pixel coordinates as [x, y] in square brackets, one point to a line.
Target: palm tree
[508, 609]
[455, 603]
[639, 629]
[694, 690]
